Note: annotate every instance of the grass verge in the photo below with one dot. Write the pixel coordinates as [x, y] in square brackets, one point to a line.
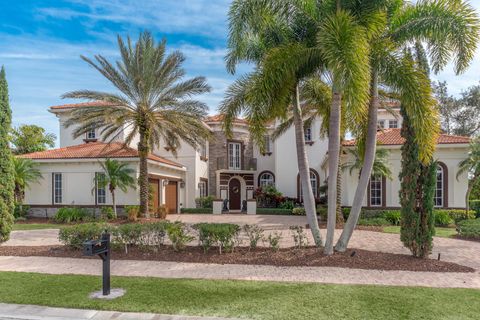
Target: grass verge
[35, 226]
[245, 299]
[439, 232]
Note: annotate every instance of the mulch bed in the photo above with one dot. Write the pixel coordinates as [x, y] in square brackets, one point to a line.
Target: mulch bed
[310, 256]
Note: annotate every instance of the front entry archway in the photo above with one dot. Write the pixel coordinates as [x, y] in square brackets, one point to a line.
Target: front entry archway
[234, 189]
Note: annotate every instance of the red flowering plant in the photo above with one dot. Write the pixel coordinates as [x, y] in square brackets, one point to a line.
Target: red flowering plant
[268, 197]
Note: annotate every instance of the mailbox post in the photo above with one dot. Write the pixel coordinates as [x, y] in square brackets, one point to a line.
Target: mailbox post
[102, 249]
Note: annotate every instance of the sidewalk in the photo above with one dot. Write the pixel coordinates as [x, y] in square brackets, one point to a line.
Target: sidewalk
[31, 312]
[176, 270]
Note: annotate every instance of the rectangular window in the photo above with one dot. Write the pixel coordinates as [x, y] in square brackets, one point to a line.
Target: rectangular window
[91, 134]
[234, 155]
[438, 196]
[392, 124]
[381, 124]
[203, 151]
[308, 134]
[268, 144]
[203, 187]
[101, 191]
[376, 191]
[57, 187]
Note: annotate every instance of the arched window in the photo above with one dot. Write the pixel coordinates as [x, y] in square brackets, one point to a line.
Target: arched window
[440, 199]
[314, 181]
[266, 178]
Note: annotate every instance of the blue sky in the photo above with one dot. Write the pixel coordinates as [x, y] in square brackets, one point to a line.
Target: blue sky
[41, 40]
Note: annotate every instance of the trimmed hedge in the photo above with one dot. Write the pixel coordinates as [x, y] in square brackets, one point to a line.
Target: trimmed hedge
[274, 211]
[374, 222]
[469, 228]
[475, 206]
[196, 210]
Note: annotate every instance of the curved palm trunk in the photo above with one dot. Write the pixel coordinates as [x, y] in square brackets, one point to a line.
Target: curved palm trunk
[333, 157]
[467, 196]
[339, 187]
[304, 171]
[143, 151]
[370, 148]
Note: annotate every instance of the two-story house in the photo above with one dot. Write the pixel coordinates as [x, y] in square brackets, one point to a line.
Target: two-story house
[227, 168]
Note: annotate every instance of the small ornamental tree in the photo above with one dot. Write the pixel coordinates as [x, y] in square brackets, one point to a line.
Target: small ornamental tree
[29, 138]
[6, 166]
[417, 187]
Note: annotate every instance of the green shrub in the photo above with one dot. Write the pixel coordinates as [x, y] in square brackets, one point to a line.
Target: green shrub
[298, 211]
[20, 211]
[469, 228]
[274, 240]
[374, 222]
[196, 210]
[223, 235]
[132, 212]
[107, 213]
[74, 236]
[393, 216]
[274, 211]
[345, 213]
[204, 202]
[442, 218]
[475, 206]
[457, 215]
[254, 234]
[287, 204]
[178, 235]
[68, 215]
[299, 237]
[322, 212]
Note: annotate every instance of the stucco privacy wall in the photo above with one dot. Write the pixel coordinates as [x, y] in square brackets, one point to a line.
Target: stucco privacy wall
[450, 155]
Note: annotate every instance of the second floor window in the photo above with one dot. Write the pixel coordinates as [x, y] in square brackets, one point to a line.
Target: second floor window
[381, 124]
[308, 134]
[101, 191]
[203, 151]
[268, 144]
[91, 134]
[234, 155]
[392, 124]
[57, 188]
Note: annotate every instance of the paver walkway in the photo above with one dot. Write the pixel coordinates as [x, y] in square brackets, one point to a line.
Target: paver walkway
[452, 250]
[31, 312]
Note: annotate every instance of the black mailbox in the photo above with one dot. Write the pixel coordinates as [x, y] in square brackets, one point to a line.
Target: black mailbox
[102, 249]
[94, 247]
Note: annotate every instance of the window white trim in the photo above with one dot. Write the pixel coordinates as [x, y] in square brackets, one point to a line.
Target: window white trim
[308, 134]
[101, 193]
[57, 187]
[438, 199]
[392, 124]
[234, 155]
[91, 134]
[376, 191]
[266, 179]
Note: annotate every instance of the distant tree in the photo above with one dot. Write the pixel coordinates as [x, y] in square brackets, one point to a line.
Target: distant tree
[471, 166]
[26, 172]
[6, 166]
[448, 106]
[30, 138]
[116, 175]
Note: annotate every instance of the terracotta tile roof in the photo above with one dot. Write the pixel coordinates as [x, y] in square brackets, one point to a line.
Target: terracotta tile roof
[219, 118]
[81, 104]
[393, 137]
[94, 150]
[390, 104]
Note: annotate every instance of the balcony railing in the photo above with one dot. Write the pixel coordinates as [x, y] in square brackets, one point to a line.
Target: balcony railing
[246, 164]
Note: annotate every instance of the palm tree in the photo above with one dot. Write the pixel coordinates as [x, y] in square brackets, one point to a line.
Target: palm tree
[26, 172]
[115, 175]
[289, 41]
[471, 166]
[450, 29]
[154, 102]
[381, 166]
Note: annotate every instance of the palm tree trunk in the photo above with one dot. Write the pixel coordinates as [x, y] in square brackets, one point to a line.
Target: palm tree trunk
[467, 197]
[339, 187]
[333, 157]
[114, 203]
[370, 148]
[304, 171]
[143, 150]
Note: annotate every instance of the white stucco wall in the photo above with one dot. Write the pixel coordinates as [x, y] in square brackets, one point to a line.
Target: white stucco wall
[450, 155]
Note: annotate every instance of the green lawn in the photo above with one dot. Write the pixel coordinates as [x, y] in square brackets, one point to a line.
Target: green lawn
[439, 232]
[247, 299]
[35, 226]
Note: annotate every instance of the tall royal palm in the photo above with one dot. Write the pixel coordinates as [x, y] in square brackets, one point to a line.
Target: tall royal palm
[153, 102]
[449, 28]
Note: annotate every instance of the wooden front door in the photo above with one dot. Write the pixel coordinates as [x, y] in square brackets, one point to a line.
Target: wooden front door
[154, 200]
[234, 187]
[171, 197]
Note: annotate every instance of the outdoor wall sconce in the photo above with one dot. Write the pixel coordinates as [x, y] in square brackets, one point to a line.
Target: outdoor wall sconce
[182, 184]
[165, 182]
